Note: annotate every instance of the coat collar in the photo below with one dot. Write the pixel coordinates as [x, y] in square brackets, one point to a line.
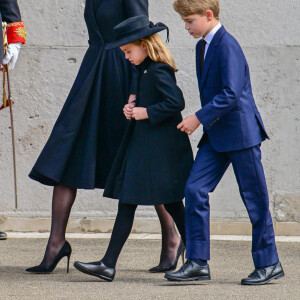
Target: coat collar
[209, 55]
[145, 64]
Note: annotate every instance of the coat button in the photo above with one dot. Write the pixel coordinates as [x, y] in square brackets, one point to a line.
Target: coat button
[145, 72]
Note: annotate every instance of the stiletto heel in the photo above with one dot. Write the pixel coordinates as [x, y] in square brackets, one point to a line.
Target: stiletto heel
[65, 250]
[68, 263]
[172, 267]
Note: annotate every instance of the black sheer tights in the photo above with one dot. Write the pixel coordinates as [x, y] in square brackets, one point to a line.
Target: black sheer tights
[170, 239]
[123, 226]
[62, 202]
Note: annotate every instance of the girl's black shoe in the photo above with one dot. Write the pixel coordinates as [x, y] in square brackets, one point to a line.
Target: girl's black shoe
[97, 268]
[172, 267]
[65, 250]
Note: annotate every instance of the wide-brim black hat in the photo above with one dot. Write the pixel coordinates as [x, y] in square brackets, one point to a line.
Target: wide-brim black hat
[134, 29]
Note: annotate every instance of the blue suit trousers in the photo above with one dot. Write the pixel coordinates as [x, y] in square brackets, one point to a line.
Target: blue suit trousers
[208, 169]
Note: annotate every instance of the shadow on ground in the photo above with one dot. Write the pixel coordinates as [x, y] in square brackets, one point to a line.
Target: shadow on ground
[230, 261]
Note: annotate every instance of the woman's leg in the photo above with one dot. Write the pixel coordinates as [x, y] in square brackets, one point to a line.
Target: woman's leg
[120, 233]
[170, 237]
[62, 202]
[177, 212]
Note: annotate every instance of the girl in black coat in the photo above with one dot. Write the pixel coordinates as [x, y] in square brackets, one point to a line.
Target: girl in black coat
[85, 139]
[155, 158]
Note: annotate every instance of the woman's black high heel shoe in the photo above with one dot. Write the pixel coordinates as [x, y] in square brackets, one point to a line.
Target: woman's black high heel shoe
[172, 267]
[65, 251]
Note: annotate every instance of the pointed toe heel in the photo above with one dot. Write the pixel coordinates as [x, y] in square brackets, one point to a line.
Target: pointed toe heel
[172, 267]
[65, 251]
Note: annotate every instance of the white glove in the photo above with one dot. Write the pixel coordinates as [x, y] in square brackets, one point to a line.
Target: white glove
[12, 54]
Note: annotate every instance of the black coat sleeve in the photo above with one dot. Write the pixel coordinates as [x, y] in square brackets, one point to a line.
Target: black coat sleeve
[172, 97]
[9, 10]
[135, 8]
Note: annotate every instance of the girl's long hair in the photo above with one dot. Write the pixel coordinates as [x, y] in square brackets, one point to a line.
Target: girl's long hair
[157, 50]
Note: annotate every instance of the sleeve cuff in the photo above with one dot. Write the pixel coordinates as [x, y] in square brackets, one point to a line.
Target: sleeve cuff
[206, 122]
[202, 120]
[16, 33]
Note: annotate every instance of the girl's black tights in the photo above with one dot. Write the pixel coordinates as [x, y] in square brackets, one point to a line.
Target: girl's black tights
[123, 226]
[120, 233]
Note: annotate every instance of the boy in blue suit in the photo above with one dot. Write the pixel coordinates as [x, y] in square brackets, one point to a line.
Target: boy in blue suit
[233, 132]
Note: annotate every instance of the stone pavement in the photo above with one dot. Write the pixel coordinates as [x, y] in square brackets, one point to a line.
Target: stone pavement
[230, 262]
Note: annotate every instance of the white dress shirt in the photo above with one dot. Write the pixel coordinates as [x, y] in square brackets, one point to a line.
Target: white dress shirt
[210, 37]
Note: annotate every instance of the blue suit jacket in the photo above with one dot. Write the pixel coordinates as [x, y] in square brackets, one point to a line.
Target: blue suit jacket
[229, 114]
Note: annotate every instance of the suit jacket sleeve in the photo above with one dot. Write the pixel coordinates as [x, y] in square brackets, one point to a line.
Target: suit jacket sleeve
[172, 97]
[233, 70]
[135, 8]
[9, 10]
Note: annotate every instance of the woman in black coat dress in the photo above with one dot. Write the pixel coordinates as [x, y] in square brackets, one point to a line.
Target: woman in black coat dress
[155, 158]
[89, 129]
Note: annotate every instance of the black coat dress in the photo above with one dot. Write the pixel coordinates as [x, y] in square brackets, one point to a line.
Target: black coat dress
[9, 13]
[89, 130]
[155, 158]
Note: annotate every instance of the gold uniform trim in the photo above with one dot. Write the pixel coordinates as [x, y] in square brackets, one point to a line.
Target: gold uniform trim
[21, 32]
[15, 24]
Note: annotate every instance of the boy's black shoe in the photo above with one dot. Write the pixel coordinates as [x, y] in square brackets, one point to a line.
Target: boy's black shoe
[190, 271]
[264, 275]
[3, 236]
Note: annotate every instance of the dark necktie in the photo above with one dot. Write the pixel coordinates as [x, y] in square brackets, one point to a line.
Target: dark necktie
[202, 54]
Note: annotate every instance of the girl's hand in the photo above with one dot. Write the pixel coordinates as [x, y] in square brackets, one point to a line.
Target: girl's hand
[132, 98]
[127, 110]
[139, 113]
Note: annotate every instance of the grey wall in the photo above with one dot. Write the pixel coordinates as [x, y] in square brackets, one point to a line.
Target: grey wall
[57, 40]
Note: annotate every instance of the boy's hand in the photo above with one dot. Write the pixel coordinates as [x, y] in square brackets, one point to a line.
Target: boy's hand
[127, 110]
[139, 113]
[189, 124]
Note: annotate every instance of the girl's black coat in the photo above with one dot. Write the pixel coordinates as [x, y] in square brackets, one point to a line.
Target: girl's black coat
[155, 158]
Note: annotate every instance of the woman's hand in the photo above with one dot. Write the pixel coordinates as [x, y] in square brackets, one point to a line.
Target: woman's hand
[127, 110]
[132, 98]
[139, 113]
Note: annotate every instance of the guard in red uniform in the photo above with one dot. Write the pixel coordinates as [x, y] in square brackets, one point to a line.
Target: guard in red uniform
[16, 36]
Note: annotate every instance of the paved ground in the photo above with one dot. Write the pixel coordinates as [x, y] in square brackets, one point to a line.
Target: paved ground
[230, 262]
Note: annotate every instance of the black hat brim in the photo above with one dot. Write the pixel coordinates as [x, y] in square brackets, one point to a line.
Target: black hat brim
[135, 37]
